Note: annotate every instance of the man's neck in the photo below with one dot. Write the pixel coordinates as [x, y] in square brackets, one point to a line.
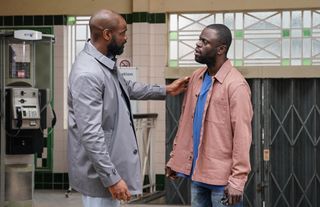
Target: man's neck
[214, 68]
[102, 49]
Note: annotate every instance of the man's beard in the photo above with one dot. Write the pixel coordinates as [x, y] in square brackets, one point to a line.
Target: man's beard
[115, 49]
[207, 59]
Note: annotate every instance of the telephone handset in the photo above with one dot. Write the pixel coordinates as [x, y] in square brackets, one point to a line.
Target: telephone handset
[19, 117]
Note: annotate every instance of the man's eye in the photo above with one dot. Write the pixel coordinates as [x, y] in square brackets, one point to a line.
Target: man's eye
[204, 41]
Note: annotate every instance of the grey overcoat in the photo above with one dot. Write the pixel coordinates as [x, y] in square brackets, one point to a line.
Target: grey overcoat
[102, 146]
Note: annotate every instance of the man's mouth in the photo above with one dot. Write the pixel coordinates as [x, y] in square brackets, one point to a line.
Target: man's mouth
[197, 52]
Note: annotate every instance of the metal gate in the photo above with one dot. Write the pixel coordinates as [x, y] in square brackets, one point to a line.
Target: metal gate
[285, 151]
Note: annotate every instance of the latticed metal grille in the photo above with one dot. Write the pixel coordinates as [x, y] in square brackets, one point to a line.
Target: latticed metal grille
[177, 192]
[294, 143]
[266, 38]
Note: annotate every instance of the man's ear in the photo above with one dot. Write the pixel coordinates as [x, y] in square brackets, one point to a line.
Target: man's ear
[222, 50]
[107, 35]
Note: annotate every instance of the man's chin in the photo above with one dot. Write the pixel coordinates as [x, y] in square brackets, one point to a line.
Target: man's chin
[120, 51]
[198, 60]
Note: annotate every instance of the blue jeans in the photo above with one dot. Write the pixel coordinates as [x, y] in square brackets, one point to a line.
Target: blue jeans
[204, 197]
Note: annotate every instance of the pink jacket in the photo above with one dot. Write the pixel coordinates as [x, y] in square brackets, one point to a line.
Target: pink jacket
[226, 135]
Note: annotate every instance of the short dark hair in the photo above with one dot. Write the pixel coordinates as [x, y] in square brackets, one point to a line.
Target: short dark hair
[224, 34]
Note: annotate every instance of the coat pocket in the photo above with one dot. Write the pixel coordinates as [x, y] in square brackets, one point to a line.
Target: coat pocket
[217, 112]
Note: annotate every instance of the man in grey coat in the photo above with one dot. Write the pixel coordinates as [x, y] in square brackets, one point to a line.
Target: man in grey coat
[103, 156]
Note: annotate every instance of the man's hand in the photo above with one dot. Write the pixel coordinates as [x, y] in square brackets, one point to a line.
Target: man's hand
[234, 196]
[178, 86]
[170, 173]
[120, 191]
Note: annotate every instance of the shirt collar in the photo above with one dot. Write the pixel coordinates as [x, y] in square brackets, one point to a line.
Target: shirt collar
[106, 61]
[222, 72]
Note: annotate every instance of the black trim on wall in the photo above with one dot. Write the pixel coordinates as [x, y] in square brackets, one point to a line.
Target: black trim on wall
[38, 20]
[153, 18]
[46, 20]
[60, 181]
[140, 17]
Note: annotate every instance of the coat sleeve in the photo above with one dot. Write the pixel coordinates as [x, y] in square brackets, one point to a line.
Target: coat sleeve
[87, 103]
[241, 116]
[141, 91]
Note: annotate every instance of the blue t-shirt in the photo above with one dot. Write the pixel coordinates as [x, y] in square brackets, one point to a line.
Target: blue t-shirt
[197, 124]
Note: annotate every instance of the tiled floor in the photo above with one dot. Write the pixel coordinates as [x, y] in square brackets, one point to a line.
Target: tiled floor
[45, 198]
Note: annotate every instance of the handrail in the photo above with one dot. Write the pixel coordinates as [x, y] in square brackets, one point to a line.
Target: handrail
[144, 123]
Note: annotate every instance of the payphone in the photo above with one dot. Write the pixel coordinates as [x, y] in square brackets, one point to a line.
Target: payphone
[25, 97]
[24, 133]
[26, 114]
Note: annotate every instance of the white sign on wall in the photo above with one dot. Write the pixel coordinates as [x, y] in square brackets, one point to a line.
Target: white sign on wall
[130, 73]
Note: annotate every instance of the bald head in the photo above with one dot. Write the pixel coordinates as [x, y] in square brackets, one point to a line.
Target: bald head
[103, 19]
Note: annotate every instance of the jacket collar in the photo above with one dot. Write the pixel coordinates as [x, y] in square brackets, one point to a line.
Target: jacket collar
[104, 60]
[222, 72]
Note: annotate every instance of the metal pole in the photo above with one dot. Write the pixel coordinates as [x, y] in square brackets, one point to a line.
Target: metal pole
[2, 112]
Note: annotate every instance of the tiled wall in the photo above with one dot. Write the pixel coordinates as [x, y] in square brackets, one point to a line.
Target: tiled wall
[149, 45]
[60, 134]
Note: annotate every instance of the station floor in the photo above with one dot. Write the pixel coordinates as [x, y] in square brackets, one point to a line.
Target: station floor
[48, 198]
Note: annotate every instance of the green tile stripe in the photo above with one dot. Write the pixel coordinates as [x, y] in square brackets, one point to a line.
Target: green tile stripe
[43, 20]
[60, 181]
[285, 62]
[38, 20]
[306, 32]
[173, 63]
[173, 35]
[238, 62]
[141, 17]
[285, 33]
[49, 180]
[239, 34]
[71, 20]
[306, 61]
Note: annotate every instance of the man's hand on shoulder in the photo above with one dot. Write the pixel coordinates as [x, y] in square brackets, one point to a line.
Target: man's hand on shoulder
[120, 191]
[178, 86]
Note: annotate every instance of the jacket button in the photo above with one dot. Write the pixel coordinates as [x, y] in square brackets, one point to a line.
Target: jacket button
[114, 171]
[135, 151]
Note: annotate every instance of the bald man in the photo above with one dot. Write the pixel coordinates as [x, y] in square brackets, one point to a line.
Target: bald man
[104, 163]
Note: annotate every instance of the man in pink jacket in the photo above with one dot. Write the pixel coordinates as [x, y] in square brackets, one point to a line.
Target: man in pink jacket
[213, 141]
